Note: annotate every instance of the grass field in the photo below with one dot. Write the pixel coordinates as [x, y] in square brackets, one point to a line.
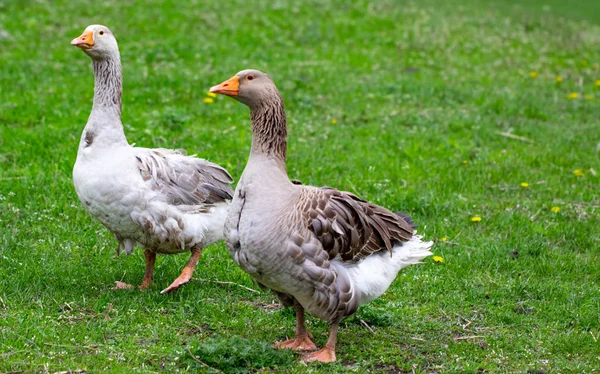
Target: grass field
[447, 110]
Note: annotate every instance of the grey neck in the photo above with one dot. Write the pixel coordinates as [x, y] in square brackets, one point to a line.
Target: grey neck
[104, 128]
[269, 130]
[108, 84]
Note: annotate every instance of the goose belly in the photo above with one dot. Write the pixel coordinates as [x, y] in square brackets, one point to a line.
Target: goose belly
[259, 252]
[285, 257]
[286, 266]
[109, 194]
[262, 250]
[273, 270]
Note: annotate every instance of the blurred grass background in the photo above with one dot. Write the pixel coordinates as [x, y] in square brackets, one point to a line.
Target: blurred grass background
[447, 110]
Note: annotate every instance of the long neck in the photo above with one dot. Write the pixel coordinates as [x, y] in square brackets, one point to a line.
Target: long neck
[104, 127]
[108, 84]
[269, 131]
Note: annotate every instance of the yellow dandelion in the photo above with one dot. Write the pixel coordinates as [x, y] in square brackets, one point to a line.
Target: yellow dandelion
[598, 83]
[465, 162]
[555, 209]
[533, 74]
[589, 97]
[438, 259]
[578, 173]
[559, 79]
[475, 219]
[444, 238]
[211, 94]
[524, 184]
[573, 95]
[208, 100]
[333, 121]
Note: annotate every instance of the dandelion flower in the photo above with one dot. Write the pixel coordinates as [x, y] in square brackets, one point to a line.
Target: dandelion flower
[465, 162]
[438, 259]
[589, 97]
[559, 79]
[555, 209]
[573, 95]
[444, 238]
[578, 173]
[598, 83]
[333, 121]
[533, 74]
[524, 184]
[211, 94]
[208, 100]
[475, 219]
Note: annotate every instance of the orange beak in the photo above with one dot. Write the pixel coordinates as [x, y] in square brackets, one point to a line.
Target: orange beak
[231, 87]
[85, 41]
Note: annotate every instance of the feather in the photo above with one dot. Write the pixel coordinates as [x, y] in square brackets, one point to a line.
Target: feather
[184, 180]
[348, 226]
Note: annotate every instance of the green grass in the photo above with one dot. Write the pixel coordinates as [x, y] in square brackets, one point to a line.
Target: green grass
[421, 92]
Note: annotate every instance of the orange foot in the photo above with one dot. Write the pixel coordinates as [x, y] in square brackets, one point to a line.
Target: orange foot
[122, 286]
[180, 281]
[299, 343]
[326, 354]
[145, 284]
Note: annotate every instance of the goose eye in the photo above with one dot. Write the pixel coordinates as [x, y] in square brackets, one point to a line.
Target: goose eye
[101, 32]
[250, 77]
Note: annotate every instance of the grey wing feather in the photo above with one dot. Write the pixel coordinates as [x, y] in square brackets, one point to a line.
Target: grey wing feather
[184, 180]
[349, 226]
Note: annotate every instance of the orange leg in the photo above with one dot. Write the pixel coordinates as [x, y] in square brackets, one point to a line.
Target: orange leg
[150, 259]
[327, 353]
[188, 270]
[301, 341]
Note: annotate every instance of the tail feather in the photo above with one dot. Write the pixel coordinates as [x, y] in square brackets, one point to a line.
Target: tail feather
[407, 218]
[374, 274]
[418, 251]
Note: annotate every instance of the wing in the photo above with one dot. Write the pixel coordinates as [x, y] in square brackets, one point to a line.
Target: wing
[184, 180]
[349, 226]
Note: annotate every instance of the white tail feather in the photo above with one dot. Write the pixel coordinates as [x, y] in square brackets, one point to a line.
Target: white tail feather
[373, 275]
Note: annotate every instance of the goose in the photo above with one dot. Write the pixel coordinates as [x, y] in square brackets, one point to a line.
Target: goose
[319, 249]
[160, 199]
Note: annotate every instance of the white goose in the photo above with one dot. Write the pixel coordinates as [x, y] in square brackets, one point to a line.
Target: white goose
[319, 249]
[160, 199]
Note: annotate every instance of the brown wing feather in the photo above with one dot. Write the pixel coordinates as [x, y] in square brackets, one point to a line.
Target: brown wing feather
[349, 226]
[184, 180]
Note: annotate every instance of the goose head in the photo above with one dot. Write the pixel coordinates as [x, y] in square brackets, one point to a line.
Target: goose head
[98, 42]
[251, 87]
